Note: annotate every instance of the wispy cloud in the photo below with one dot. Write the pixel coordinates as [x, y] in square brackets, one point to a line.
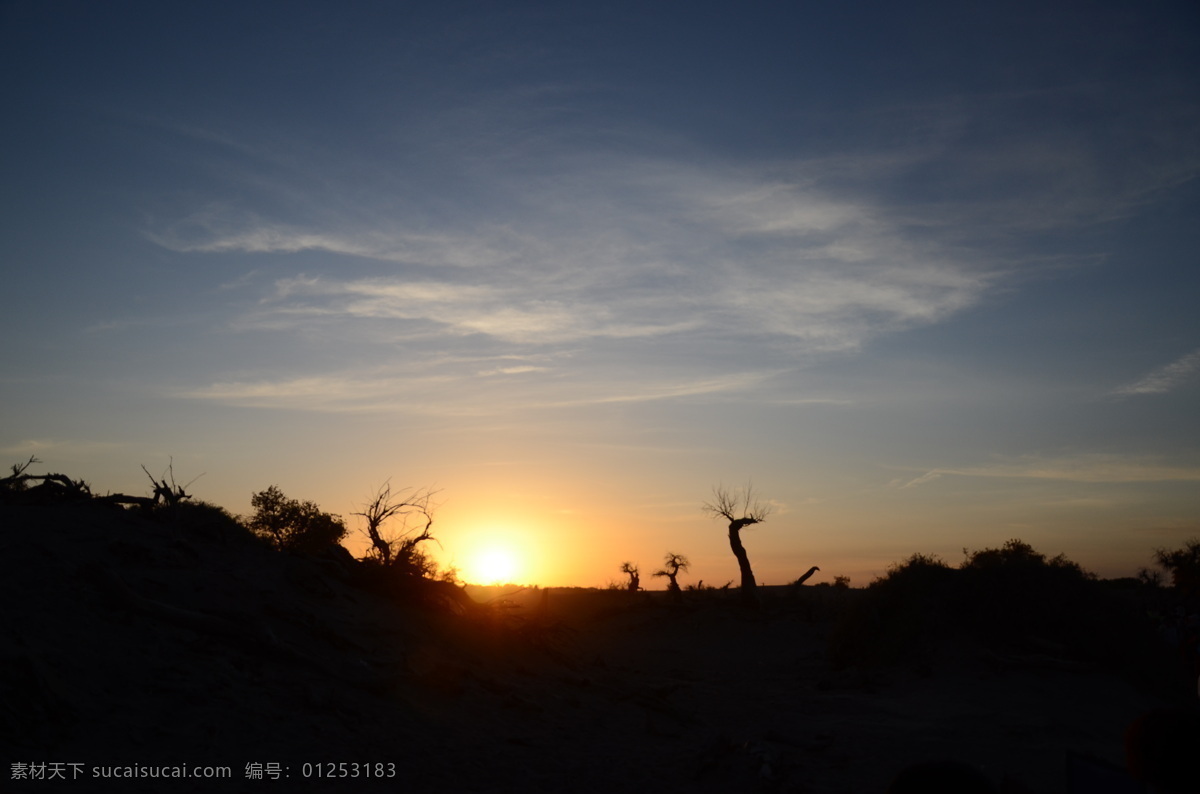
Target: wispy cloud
[647, 249]
[606, 241]
[668, 389]
[523, 369]
[52, 451]
[1011, 162]
[916, 482]
[451, 391]
[1092, 468]
[515, 313]
[1164, 379]
[221, 228]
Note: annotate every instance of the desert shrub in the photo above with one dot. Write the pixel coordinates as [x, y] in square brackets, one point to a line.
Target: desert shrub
[1022, 561]
[918, 573]
[201, 518]
[821, 603]
[411, 575]
[407, 561]
[1008, 599]
[291, 525]
[902, 611]
[1008, 594]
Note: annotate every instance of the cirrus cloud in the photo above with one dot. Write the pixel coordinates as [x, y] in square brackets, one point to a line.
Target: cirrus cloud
[1165, 378]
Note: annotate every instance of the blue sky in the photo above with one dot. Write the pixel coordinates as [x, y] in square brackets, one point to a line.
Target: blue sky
[925, 273]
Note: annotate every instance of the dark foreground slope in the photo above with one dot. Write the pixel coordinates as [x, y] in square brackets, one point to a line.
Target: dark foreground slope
[130, 642]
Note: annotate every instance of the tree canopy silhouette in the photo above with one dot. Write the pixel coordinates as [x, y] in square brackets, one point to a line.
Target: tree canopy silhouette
[292, 525]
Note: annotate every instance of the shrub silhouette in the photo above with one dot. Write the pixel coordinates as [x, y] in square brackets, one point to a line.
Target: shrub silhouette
[1014, 591]
[1010, 600]
[292, 525]
[205, 519]
[899, 613]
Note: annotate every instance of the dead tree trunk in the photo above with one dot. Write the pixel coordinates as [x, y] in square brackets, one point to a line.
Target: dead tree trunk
[749, 585]
[807, 575]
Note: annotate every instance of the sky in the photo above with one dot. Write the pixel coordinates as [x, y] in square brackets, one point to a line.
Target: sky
[925, 274]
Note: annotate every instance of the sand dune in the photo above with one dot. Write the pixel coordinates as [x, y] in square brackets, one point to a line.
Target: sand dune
[129, 642]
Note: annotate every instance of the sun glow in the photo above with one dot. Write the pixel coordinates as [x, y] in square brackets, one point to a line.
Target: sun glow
[485, 546]
[492, 565]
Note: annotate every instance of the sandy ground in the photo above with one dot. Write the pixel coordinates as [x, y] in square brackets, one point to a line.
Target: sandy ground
[129, 643]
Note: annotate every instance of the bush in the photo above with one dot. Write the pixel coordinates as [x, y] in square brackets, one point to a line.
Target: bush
[1005, 599]
[201, 518]
[407, 561]
[1011, 593]
[919, 571]
[900, 612]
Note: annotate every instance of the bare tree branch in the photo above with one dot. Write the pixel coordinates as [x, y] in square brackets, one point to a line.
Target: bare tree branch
[413, 506]
[19, 468]
[740, 505]
[171, 493]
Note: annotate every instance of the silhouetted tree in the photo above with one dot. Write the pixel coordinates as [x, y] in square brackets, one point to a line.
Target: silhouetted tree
[291, 525]
[413, 510]
[672, 564]
[631, 571]
[1150, 578]
[741, 509]
[1183, 565]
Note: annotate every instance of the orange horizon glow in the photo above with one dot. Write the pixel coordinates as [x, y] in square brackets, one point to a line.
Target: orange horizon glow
[559, 533]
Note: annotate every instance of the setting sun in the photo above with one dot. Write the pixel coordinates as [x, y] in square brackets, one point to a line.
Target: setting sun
[492, 565]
